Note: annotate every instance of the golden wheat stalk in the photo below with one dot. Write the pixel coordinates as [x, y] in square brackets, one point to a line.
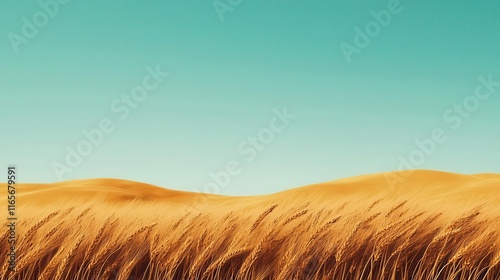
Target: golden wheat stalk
[51, 265]
[434, 252]
[320, 230]
[82, 214]
[395, 208]
[68, 211]
[375, 203]
[287, 270]
[391, 233]
[127, 269]
[65, 264]
[202, 258]
[119, 246]
[255, 254]
[139, 231]
[347, 243]
[294, 217]
[224, 260]
[112, 268]
[263, 216]
[30, 232]
[173, 263]
[496, 259]
[102, 253]
[229, 214]
[98, 237]
[465, 221]
[53, 230]
[179, 221]
[476, 249]
[42, 250]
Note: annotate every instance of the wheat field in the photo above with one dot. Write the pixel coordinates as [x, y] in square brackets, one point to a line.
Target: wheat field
[357, 228]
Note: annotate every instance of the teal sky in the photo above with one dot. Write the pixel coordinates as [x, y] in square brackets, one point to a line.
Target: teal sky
[226, 78]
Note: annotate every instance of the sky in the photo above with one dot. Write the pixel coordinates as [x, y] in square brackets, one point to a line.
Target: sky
[247, 97]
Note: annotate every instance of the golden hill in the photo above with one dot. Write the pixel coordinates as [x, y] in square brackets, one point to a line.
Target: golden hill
[423, 225]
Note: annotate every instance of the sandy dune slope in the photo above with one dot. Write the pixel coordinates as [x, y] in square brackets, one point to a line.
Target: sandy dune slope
[429, 182]
[431, 186]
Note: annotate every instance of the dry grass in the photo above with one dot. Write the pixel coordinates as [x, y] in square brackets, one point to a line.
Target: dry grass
[345, 238]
